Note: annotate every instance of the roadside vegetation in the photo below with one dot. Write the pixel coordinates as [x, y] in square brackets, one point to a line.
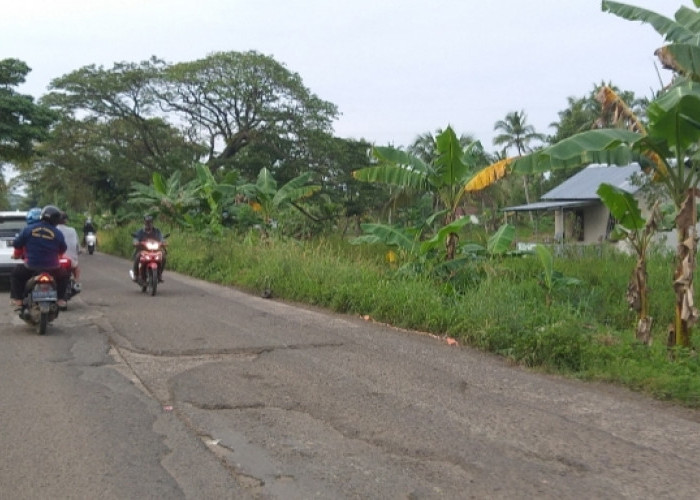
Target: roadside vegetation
[495, 304]
[237, 160]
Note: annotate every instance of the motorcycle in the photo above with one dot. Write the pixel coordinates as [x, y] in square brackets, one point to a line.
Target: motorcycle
[73, 287]
[150, 265]
[39, 305]
[90, 242]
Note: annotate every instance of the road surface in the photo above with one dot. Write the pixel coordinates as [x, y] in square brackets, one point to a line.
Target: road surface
[206, 392]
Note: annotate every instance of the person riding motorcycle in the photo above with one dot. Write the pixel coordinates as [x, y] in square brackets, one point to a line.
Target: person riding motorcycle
[147, 232]
[33, 216]
[43, 243]
[88, 227]
[71, 237]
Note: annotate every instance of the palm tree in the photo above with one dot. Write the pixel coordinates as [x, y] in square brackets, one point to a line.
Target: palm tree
[518, 134]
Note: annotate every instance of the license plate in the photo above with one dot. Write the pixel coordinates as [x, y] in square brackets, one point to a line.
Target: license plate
[39, 295]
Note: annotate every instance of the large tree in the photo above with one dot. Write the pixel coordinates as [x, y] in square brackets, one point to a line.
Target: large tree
[22, 121]
[231, 100]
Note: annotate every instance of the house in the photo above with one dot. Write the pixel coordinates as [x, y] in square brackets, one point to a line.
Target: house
[579, 214]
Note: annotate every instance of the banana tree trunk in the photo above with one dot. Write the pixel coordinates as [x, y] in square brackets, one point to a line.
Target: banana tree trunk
[686, 314]
[452, 238]
[638, 300]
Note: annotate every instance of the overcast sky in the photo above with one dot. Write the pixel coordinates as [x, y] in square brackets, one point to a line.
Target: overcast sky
[395, 68]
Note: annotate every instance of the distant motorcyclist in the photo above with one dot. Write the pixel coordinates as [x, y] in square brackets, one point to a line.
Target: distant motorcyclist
[147, 232]
[88, 227]
[43, 243]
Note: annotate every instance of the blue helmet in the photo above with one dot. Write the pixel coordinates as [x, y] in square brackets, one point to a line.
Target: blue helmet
[33, 215]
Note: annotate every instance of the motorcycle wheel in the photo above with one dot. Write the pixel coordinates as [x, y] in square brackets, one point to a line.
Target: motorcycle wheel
[43, 322]
[152, 281]
[90, 250]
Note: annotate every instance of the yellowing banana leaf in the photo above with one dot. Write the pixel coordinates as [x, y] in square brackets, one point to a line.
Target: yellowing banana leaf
[488, 176]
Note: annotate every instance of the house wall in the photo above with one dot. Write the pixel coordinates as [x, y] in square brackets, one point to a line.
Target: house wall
[595, 219]
[595, 223]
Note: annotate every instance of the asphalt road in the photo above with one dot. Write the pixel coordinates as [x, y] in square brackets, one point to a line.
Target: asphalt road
[206, 392]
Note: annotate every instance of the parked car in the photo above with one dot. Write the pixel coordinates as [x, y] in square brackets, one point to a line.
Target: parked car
[11, 223]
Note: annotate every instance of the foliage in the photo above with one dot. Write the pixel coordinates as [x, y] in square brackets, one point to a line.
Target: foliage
[22, 121]
[552, 279]
[584, 333]
[242, 98]
[268, 199]
[443, 176]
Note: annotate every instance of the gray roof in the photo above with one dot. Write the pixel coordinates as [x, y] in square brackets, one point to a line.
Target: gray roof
[547, 205]
[583, 185]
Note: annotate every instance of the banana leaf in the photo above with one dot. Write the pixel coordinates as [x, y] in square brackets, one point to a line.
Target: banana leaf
[449, 165]
[683, 30]
[623, 206]
[395, 167]
[382, 233]
[440, 237]
[295, 189]
[488, 175]
[500, 242]
[681, 57]
[608, 146]
[675, 116]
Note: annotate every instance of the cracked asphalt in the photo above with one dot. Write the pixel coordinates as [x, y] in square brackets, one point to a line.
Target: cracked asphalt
[206, 392]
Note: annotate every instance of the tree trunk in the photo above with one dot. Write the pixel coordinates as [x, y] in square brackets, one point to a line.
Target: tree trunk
[685, 312]
[527, 197]
[638, 300]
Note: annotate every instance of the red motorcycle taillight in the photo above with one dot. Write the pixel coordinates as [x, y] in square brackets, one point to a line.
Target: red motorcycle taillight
[44, 278]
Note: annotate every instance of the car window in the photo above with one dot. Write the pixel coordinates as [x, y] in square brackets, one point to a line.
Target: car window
[10, 226]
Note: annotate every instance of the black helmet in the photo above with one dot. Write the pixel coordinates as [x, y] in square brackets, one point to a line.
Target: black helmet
[51, 214]
[148, 218]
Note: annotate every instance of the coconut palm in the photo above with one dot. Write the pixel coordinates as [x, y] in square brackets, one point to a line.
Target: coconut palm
[516, 133]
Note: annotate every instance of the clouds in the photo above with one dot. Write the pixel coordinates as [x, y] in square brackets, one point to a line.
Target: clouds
[395, 68]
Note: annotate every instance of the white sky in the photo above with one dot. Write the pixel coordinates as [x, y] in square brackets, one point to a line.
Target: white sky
[395, 68]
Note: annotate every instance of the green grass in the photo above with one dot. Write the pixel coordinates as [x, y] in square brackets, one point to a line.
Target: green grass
[495, 305]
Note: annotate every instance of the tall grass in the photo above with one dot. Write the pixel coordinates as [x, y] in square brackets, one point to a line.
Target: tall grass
[496, 305]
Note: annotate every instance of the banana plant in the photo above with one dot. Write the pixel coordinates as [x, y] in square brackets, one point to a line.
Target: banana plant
[266, 198]
[168, 197]
[551, 279]
[682, 54]
[214, 198]
[638, 232]
[444, 177]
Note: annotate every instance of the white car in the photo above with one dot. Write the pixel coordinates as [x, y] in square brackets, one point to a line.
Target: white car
[11, 223]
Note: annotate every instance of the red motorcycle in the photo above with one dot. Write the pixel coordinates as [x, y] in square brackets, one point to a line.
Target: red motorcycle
[150, 266]
[73, 287]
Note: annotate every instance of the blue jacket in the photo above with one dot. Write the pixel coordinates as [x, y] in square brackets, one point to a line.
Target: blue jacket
[42, 243]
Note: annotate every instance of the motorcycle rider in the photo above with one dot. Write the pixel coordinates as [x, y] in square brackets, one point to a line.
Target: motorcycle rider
[33, 216]
[43, 243]
[88, 227]
[71, 237]
[147, 232]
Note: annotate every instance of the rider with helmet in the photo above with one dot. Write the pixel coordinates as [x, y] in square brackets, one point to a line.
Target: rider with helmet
[71, 237]
[88, 227]
[33, 216]
[147, 232]
[43, 243]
